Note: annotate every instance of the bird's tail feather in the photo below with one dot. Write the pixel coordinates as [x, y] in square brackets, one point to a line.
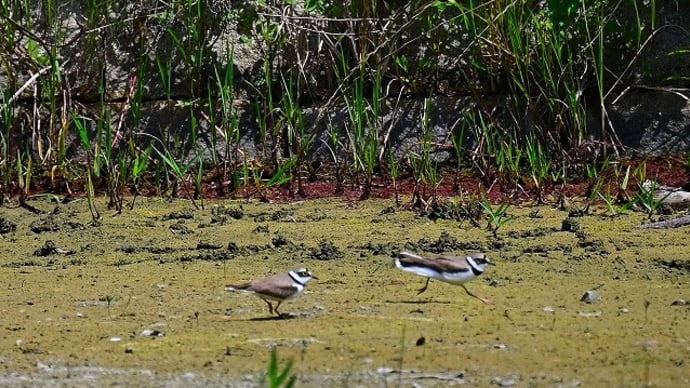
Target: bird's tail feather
[238, 287]
[404, 254]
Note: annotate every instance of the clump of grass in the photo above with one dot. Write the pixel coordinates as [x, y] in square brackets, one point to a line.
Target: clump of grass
[458, 141]
[92, 166]
[539, 166]
[363, 126]
[424, 167]
[139, 165]
[179, 170]
[297, 139]
[334, 145]
[648, 198]
[393, 172]
[275, 376]
[497, 215]
[278, 178]
[227, 125]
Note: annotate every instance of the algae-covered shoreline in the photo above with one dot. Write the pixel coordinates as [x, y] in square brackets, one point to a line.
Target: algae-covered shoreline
[76, 315]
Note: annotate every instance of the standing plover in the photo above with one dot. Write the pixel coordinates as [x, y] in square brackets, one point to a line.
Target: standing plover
[450, 269]
[277, 288]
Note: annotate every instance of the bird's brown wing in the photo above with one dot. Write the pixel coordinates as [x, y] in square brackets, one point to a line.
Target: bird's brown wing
[439, 264]
[279, 292]
[452, 264]
[278, 286]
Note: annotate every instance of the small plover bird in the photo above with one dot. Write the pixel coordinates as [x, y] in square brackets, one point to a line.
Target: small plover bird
[450, 269]
[277, 288]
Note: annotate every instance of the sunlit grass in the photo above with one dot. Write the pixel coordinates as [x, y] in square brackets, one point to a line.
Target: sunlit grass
[539, 56]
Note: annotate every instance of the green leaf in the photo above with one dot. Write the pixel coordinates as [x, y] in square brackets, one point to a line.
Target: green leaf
[83, 133]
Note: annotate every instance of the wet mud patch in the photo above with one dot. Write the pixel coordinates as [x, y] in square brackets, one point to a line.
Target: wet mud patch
[361, 323]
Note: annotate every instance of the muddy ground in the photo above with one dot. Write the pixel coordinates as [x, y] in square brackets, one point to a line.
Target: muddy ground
[140, 299]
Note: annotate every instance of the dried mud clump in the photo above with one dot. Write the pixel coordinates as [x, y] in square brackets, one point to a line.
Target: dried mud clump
[261, 229]
[7, 226]
[52, 223]
[281, 241]
[180, 228]
[222, 214]
[537, 232]
[186, 214]
[56, 221]
[444, 244]
[276, 216]
[387, 210]
[207, 245]
[546, 248]
[325, 251]
[47, 249]
[205, 256]
[448, 210]
[317, 215]
[149, 249]
[570, 224]
[233, 247]
[377, 249]
[589, 243]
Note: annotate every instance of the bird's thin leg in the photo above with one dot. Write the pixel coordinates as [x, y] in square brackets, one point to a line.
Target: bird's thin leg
[270, 306]
[425, 286]
[485, 301]
[276, 310]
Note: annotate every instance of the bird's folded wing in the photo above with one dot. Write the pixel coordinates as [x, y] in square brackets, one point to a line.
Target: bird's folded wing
[276, 290]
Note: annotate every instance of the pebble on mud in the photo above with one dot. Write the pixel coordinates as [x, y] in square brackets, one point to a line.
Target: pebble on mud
[152, 333]
[384, 370]
[501, 382]
[680, 302]
[590, 296]
[594, 314]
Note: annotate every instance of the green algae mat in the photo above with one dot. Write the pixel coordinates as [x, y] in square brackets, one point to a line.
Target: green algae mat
[138, 299]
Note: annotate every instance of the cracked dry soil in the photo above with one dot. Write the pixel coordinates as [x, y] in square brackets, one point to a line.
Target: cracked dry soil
[139, 299]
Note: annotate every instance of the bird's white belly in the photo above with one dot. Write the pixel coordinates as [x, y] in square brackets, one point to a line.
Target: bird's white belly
[448, 277]
[456, 277]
